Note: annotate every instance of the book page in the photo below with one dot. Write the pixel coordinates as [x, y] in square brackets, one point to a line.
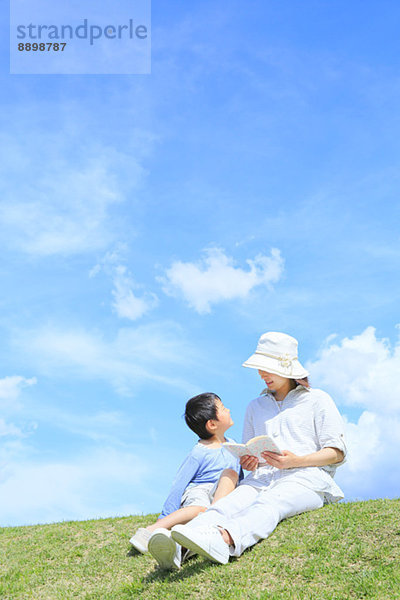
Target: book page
[237, 450]
[254, 447]
[262, 443]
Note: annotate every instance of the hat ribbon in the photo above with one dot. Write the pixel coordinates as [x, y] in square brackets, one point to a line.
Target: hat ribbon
[285, 360]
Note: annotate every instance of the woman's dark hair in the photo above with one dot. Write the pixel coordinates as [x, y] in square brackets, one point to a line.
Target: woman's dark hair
[303, 382]
[198, 411]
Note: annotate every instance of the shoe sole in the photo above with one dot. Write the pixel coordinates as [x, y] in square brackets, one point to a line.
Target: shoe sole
[183, 540]
[163, 549]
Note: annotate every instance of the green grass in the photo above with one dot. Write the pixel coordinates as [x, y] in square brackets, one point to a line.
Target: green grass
[344, 551]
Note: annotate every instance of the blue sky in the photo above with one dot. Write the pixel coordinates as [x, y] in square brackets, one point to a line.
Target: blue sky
[153, 226]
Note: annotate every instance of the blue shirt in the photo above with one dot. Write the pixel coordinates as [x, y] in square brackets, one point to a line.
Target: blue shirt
[202, 465]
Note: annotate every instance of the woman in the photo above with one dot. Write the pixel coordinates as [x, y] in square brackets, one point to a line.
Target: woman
[306, 424]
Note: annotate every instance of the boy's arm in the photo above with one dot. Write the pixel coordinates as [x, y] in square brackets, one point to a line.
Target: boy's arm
[226, 484]
[184, 476]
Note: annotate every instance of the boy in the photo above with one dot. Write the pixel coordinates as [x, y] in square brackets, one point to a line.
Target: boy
[208, 473]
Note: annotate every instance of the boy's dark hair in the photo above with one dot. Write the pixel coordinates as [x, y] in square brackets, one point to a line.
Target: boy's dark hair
[199, 410]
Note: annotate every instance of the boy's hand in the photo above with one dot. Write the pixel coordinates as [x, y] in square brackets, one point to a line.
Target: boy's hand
[250, 463]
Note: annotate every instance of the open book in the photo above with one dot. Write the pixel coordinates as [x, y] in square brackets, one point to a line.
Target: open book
[254, 447]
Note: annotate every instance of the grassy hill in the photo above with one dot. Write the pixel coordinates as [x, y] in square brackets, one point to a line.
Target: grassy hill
[344, 551]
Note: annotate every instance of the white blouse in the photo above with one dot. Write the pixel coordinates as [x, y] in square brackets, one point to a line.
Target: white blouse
[306, 421]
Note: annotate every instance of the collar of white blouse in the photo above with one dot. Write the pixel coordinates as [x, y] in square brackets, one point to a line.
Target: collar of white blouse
[279, 403]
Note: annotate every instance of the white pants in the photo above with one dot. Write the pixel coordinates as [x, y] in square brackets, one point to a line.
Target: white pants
[250, 514]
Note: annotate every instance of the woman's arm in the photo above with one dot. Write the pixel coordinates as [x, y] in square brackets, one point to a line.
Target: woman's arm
[288, 460]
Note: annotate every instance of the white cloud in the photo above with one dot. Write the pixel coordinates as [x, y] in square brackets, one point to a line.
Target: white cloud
[11, 434]
[362, 373]
[217, 278]
[364, 442]
[155, 353]
[9, 429]
[110, 427]
[372, 469]
[64, 212]
[80, 488]
[11, 387]
[64, 203]
[126, 304]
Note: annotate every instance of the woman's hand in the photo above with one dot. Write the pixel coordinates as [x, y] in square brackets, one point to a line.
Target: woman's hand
[286, 460]
[249, 463]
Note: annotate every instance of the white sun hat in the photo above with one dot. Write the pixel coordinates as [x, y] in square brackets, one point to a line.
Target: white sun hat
[277, 353]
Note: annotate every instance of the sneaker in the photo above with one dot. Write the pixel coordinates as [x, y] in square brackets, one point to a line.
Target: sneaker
[186, 554]
[163, 548]
[141, 539]
[206, 541]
